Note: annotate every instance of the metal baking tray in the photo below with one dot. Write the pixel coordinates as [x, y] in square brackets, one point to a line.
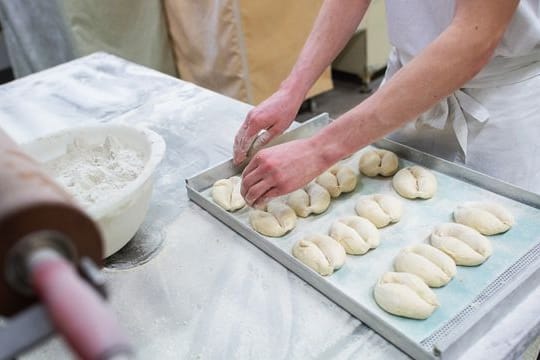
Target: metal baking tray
[470, 304]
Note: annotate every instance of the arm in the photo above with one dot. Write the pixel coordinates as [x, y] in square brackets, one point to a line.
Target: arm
[459, 53]
[454, 58]
[334, 26]
[336, 22]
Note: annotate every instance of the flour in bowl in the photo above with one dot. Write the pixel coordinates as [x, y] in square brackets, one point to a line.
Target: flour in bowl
[93, 173]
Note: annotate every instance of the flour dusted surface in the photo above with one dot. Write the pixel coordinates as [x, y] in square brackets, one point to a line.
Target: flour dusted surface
[93, 173]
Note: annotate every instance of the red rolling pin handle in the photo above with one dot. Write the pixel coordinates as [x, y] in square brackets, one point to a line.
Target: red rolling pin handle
[75, 308]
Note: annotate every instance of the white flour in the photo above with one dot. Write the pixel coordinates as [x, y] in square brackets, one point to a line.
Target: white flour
[93, 173]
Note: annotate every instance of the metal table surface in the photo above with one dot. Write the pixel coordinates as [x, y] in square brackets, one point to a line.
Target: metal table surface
[188, 287]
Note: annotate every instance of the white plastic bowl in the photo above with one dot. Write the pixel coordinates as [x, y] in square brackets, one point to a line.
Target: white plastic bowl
[121, 215]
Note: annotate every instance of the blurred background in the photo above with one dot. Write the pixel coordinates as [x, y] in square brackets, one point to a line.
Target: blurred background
[239, 48]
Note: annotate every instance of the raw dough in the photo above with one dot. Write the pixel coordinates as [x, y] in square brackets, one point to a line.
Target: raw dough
[276, 221]
[488, 218]
[320, 252]
[415, 182]
[380, 209]
[338, 179]
[226, 193]
[406, 295]
[464, 244]
[312, 199]
[431, 264]
[356, 234]
[378, 162]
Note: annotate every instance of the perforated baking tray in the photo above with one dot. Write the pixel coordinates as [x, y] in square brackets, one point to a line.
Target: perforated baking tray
[470, 304]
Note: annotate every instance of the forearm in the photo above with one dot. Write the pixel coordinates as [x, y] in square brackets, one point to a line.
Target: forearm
[458, 54]
[335, 24]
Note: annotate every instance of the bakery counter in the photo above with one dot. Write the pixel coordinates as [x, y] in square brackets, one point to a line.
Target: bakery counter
[187, 286]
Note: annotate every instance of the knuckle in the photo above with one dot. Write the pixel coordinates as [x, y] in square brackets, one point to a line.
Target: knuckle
[279, 180]
[254, 116]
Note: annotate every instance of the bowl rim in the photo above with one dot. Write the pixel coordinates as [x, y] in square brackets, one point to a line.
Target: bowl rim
[155, 156]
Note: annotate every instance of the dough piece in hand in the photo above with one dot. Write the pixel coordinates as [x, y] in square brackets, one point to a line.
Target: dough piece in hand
[276, 221]
[226, 193]
[488, 218]
[431, 264]
[380, 209]
[338, 179]
[312, 199]
[378, 162]
[406, 295]
[356, 234]
[463, 244]
[320, 252]
[415, 182]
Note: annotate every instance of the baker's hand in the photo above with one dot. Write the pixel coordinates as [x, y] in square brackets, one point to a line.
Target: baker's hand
[274, 115]
[280, 169]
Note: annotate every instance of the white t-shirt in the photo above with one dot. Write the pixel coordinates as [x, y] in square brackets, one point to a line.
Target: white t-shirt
[414, 24]
[478, 124]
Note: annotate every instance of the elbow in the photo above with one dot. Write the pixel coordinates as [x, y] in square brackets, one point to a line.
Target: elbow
[480, 46]
[483, 52]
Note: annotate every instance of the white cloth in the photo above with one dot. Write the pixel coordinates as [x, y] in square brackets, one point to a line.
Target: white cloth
[493, 122]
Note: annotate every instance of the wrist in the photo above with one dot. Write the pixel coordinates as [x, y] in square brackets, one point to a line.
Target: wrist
[329, 150]
[294, 90]
[345, 135]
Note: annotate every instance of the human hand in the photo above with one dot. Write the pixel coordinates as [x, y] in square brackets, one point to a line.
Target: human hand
[280, 169]
[274, 115]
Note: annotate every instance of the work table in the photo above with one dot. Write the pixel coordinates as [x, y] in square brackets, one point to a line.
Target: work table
[187, 286]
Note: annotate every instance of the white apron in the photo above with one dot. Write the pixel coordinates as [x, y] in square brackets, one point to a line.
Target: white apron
[492, 124]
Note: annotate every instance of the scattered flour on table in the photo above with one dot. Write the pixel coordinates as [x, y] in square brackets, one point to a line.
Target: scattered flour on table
[93, 173]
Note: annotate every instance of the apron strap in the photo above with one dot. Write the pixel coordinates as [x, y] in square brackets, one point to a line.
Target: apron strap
[455, 107]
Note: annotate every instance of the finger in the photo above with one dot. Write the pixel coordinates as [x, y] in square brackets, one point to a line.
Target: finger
[256, 191]
[240, 149]
[251, 166]
[265, 198]
[244, 138]
[249, 180]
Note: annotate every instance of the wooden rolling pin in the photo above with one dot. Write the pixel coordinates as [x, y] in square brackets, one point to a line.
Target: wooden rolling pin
[31, 205]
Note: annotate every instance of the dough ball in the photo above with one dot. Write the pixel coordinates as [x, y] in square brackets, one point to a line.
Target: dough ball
[311, 199]
[431, 264]
[378, 162]
[320, 252]
[463, 244]
[488, 218]
[356, 234]
[380, 209]
[276, 221]
[406, 295]
[338, 179]
[415, 182]
[226, 193]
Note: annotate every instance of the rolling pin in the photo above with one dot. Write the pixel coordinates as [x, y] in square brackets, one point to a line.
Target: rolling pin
[43, 233]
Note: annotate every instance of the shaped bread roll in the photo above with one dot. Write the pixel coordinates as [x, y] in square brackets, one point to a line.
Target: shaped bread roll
[226, 193]
[312, 199]
[380, 209]
[406, 295]
[378, 162]
[415, 182]
[356, 234]
[431, 264]
[338, 179]
[276, 221]
[486, 217]
[463, 244]
[320, 252]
